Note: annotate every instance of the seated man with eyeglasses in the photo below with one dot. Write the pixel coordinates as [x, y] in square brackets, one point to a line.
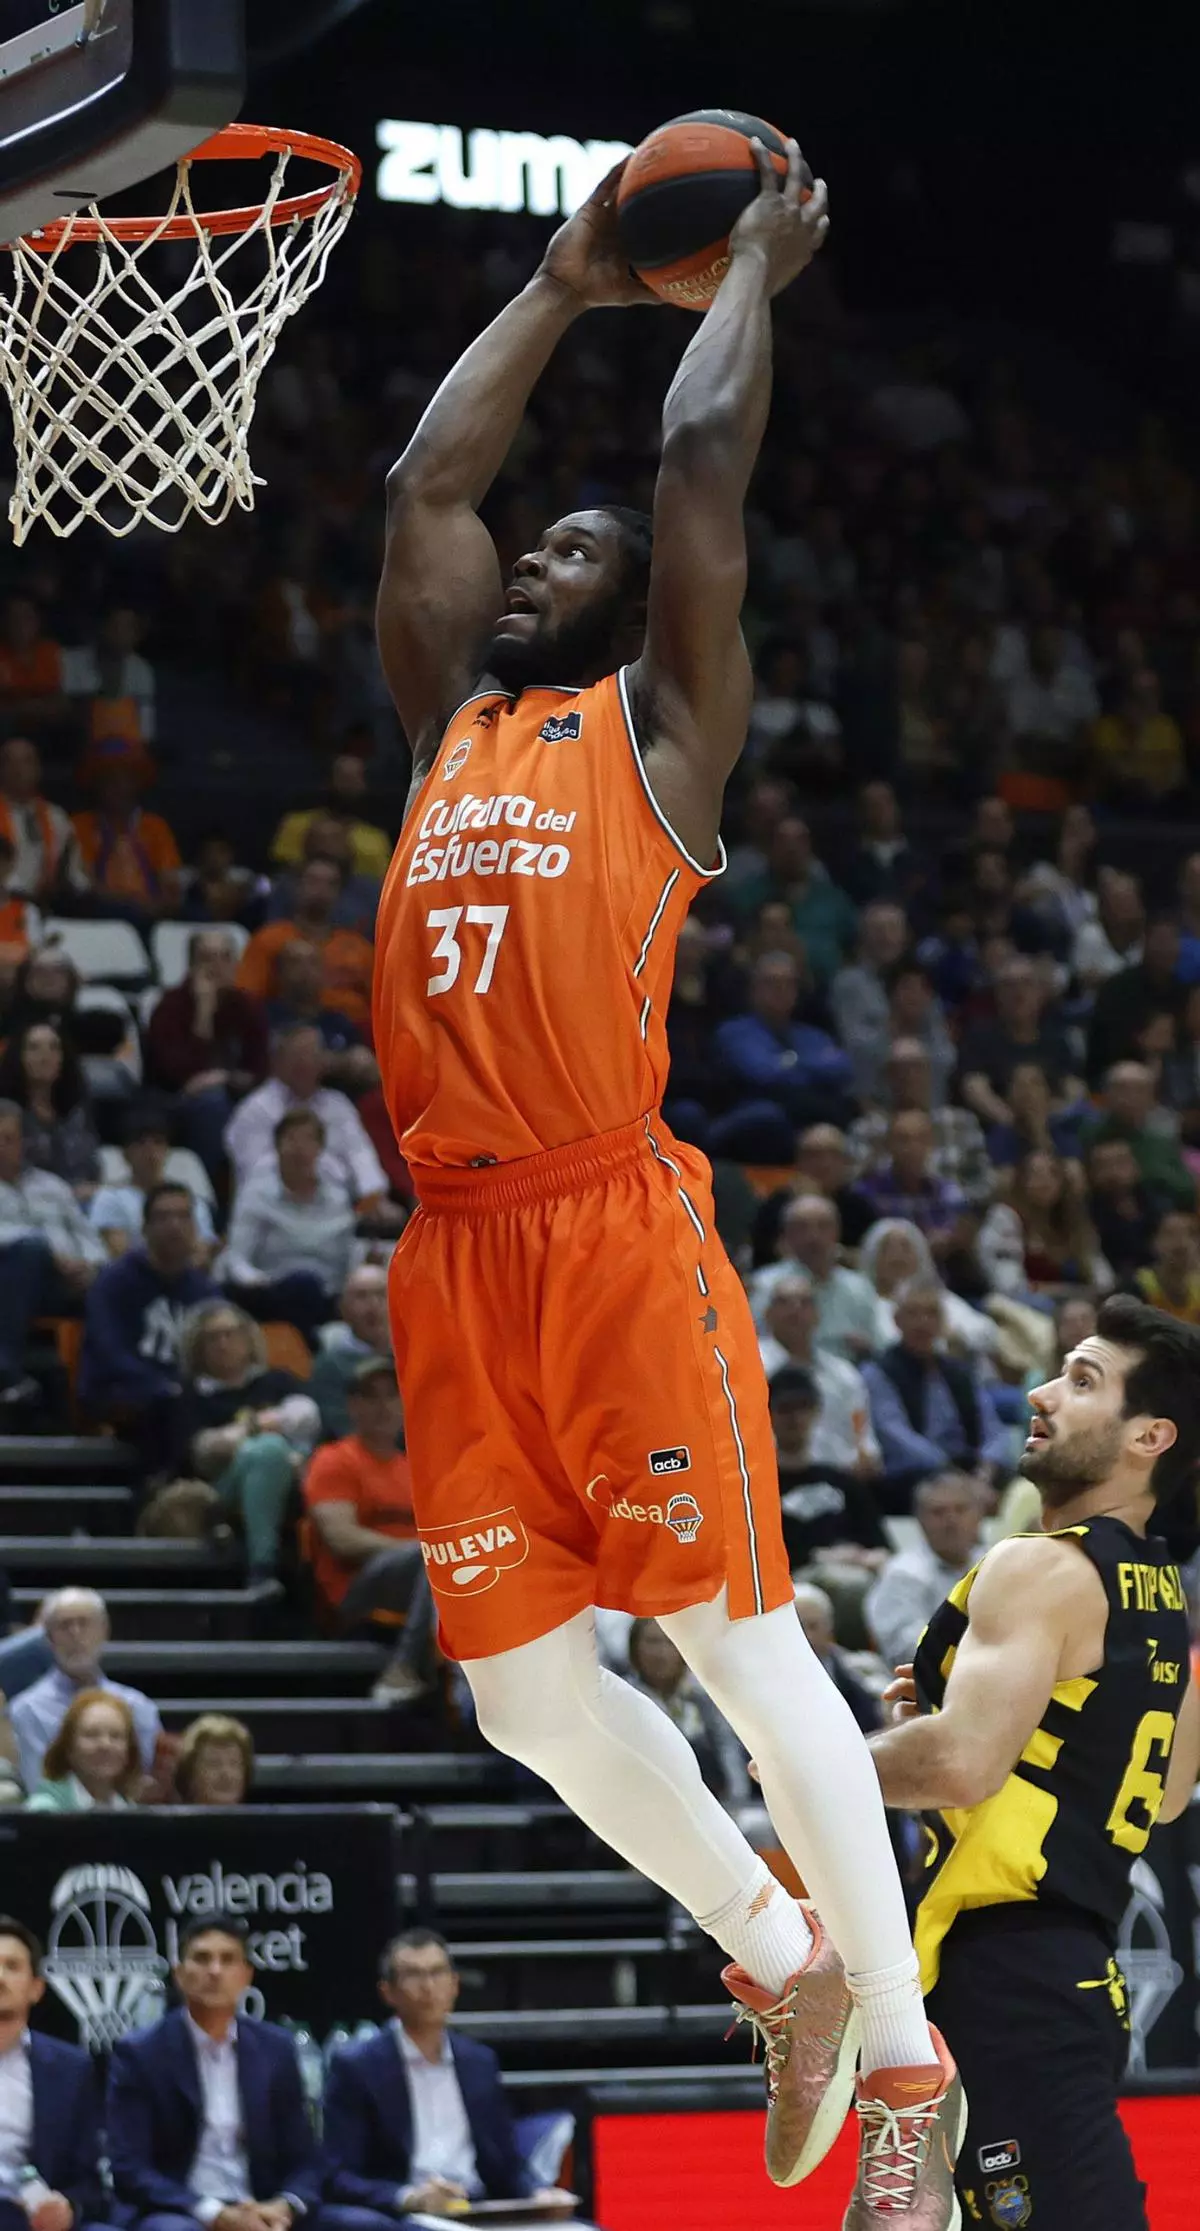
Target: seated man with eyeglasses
[416, 2122]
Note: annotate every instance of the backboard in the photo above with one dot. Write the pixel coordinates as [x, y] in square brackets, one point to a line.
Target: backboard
[96, 94]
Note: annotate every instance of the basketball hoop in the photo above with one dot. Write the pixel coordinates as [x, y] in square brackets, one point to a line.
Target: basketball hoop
[132, 388]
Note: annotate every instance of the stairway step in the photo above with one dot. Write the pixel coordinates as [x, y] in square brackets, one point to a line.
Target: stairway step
[556, 1948]
[144, 1614]
[564, 2023]
[548, 1892]
[295, 1778]
[66, 1456]
[324, 1669]
[65, 1508]
[293, 1722]
[55, 1559]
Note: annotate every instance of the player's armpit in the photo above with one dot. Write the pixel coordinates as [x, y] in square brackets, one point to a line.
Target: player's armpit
[1034, 1606]
[1183, 1771]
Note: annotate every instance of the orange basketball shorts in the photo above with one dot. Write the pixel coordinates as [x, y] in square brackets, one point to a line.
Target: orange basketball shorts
[586, 1410]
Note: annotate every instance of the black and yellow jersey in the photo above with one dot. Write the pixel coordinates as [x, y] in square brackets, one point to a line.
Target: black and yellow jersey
[1079, 1804]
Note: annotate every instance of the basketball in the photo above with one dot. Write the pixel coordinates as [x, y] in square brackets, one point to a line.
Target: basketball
[681, 193]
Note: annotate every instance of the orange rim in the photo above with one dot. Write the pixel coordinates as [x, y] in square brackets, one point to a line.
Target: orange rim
[238, 142]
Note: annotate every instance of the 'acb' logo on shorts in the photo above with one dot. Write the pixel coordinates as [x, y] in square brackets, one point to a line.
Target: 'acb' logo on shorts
[468, 1559]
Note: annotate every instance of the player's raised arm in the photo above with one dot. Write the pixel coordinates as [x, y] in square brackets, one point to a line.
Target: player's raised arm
[440, 593]
[692, 685]
[1034, 1605]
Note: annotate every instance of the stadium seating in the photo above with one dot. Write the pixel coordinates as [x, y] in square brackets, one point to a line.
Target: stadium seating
[103, 952]
[554, 1940]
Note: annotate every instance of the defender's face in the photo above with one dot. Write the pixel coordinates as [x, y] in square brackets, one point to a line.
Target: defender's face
[563, 603]
[1077, 1431]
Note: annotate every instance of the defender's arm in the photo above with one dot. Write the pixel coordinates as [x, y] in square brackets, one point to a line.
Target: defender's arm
[440, 594]
[692, 685]
[1035, 1608]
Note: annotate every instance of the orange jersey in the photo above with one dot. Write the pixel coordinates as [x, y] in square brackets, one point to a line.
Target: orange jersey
[526, 933]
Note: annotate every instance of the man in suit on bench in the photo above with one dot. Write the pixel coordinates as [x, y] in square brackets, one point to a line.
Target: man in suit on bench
[49, 2106]
[206, 2115]
[415, 2117]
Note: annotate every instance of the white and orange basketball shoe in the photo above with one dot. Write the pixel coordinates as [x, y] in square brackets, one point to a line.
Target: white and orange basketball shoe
[810, 2038]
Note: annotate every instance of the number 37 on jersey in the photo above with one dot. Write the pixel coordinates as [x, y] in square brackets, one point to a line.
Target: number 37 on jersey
[484, 927]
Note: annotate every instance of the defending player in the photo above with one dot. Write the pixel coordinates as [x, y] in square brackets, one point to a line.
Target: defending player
[586, 1410]
[1062, 1725]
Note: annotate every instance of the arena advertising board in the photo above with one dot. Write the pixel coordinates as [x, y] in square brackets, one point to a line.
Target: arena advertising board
[700, 2170]
[316, 1889]
[544, 174]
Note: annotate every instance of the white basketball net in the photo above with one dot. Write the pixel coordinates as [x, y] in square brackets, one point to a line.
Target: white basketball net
[132, 404]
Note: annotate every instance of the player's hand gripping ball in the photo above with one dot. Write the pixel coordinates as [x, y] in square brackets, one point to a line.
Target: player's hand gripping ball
[683, 190]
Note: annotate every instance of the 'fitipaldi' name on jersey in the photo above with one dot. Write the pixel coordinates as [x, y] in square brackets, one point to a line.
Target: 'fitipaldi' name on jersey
[526, 933]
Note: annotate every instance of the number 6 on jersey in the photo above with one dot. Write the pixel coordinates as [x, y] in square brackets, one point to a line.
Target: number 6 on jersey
[446, 919]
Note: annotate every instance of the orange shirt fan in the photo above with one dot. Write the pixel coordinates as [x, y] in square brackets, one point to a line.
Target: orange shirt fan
[132, 386]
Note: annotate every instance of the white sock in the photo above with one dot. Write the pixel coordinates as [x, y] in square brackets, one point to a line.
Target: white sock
[895, 2032]
[763, 1929]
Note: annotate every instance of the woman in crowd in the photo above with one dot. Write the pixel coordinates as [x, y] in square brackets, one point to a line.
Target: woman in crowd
[45, 990]
[242, 1425]
[895, 1250]
[93, 1763]
[658, 1670]
[215, 1765]
[105, 1037]
[1041, 1239]
[42, 1073]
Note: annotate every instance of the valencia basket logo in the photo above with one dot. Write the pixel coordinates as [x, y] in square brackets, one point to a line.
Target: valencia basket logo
[102, 1958]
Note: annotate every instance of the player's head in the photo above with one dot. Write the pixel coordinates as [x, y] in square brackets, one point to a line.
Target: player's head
[576, 605]
[1124, 1410]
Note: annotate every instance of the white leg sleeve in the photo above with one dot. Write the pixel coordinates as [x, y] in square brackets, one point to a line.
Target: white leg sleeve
[617, 1761]
[817, 1778]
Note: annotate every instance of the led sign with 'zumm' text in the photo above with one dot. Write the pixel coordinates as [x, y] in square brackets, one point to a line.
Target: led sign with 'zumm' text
[547, 176]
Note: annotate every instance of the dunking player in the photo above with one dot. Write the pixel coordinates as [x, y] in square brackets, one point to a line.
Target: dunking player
[587, 1415]
[1062, 1724]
